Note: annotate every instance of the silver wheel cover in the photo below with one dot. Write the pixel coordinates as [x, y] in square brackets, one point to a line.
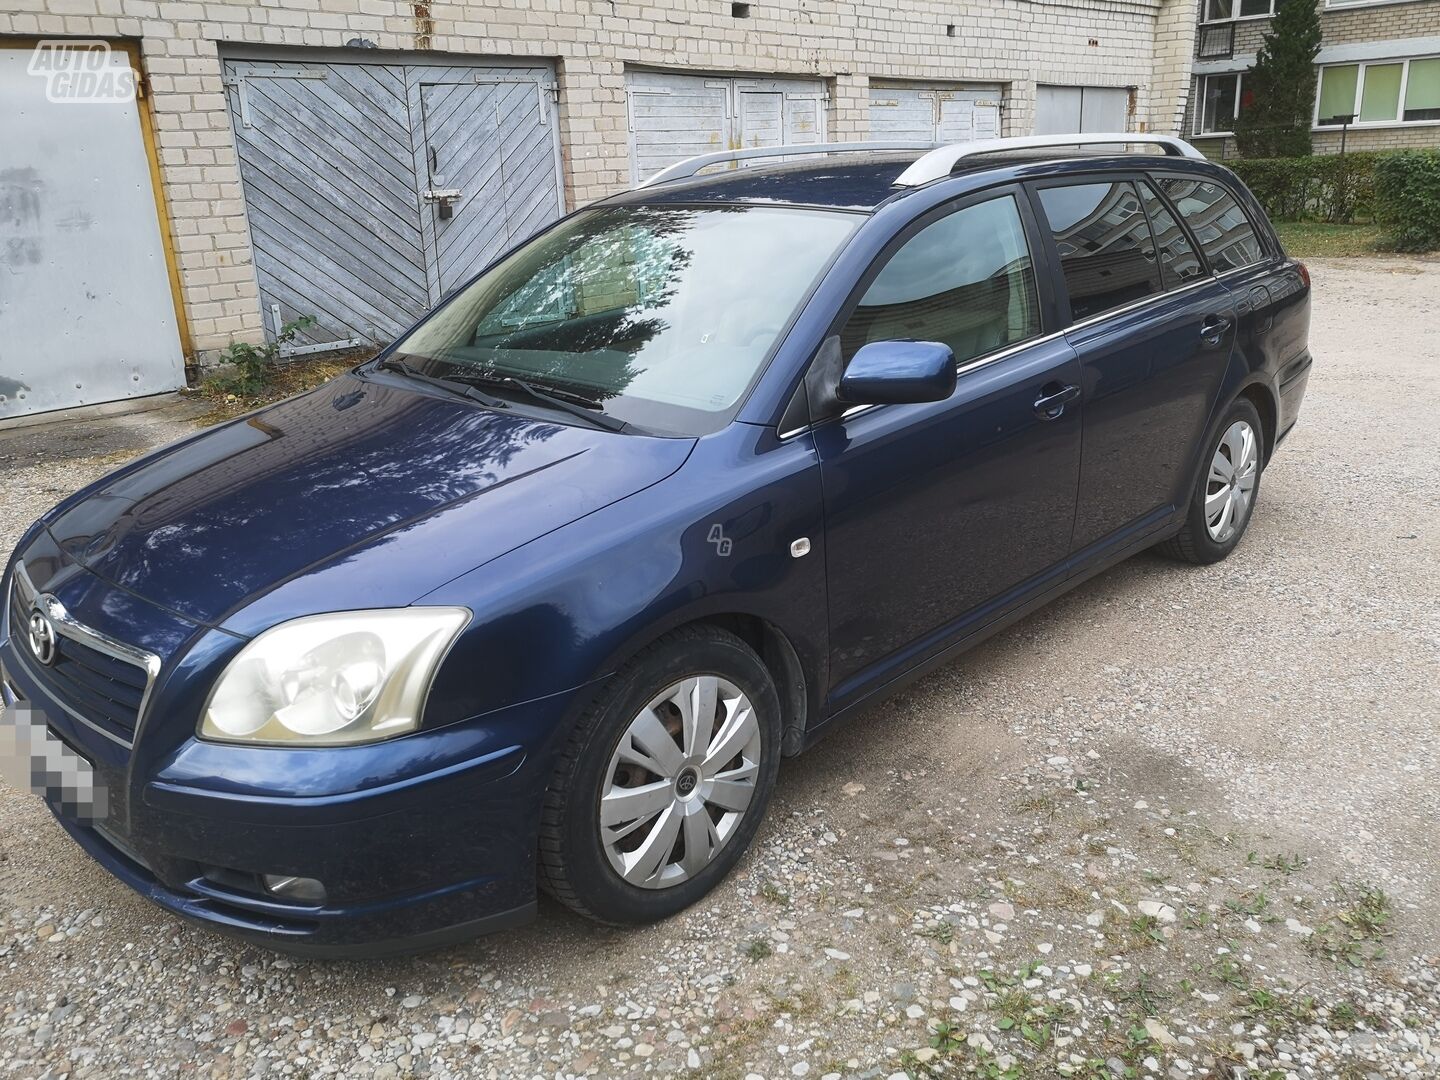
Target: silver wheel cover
[680, 781]
[1230, 486]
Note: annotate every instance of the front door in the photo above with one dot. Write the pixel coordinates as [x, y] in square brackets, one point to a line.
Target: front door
[939, 515]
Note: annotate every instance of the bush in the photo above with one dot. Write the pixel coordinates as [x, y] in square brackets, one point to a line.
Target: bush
[1407, 198]
[1335, 188]
[252, 364]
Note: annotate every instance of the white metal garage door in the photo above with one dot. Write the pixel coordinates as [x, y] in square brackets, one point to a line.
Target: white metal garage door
[1059, 110]
[86, 310]
[673, 117]
[934, 113]
[374, 189]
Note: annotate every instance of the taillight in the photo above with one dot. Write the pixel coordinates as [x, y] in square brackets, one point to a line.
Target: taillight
[1304, 272]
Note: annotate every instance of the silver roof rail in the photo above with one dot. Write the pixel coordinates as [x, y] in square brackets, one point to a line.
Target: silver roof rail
[941, 162]
[691, 166]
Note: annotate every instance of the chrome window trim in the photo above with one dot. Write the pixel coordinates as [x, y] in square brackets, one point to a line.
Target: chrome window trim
[1010, 350]
[68, 626]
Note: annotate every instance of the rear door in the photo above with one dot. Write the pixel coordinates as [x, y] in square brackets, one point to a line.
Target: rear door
[939, 515]
[1269, 296]
[1153, 331]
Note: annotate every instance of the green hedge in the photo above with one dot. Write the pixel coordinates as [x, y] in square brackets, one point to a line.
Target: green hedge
[1337, 188]
[1407, 198]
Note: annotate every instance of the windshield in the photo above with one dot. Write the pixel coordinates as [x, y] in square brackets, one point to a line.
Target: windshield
[661, 314]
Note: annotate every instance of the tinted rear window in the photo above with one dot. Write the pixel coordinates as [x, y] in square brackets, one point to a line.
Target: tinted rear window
[1178, 258]
[1217, 221]
[1106, 251]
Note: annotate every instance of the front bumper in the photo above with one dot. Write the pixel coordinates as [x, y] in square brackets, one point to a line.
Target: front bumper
[419, 841]
[402, 925]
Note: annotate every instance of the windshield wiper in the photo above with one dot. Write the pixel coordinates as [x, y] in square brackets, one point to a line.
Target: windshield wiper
[464, 389]
[566, 400]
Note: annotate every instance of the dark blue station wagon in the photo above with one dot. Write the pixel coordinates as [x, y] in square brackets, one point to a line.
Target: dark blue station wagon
[541, 596]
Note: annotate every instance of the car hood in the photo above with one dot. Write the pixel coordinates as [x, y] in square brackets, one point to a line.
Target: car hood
[362, 493]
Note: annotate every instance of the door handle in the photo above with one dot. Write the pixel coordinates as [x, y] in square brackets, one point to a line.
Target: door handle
[1212, 330]
[1050, 405]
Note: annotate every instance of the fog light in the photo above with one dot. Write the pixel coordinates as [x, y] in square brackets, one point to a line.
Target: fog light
[304, 890]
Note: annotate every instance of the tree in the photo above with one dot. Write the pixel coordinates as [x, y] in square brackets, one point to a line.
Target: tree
[1278, 94]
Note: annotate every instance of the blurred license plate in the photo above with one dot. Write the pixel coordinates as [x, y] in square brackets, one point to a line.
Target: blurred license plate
[34, 760]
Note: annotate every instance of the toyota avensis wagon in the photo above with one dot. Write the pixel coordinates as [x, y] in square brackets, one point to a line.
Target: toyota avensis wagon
[542, 595]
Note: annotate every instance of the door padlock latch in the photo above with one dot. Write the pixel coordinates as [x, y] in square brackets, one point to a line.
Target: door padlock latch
[445, 200]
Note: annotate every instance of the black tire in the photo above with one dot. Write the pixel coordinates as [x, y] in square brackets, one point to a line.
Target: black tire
[1193, 543]
[573, 865]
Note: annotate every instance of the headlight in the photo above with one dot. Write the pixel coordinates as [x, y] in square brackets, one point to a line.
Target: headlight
[329, 680]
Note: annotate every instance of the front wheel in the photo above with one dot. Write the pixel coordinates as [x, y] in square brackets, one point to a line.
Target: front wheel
[664, 781]
[1224, 498]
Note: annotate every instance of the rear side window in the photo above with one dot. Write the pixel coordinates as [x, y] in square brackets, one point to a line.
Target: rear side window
[1106, 250]
[966, 281]
[1217, 221]
[1179, 261]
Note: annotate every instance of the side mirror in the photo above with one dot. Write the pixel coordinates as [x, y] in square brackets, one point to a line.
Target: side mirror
[897, 373]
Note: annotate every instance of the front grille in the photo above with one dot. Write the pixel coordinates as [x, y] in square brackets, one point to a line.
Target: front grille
[103, 689]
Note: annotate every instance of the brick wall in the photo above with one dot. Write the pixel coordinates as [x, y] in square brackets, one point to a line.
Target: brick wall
[1338, 26]
[1141, 43]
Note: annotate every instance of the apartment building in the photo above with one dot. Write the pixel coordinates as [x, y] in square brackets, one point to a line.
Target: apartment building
[1379, 73]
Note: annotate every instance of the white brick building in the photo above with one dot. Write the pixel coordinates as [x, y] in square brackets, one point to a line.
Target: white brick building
[269, 124]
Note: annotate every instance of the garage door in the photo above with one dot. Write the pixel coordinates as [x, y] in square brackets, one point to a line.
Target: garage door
[373, 190]
[1060, 110]
[934, 113]
[673, 117]
[86, 310]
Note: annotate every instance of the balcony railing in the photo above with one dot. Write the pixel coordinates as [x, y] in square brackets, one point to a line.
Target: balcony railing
[1217, 42]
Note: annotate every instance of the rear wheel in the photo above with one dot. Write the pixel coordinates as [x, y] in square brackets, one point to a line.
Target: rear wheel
[664, 780]
[1224, 498]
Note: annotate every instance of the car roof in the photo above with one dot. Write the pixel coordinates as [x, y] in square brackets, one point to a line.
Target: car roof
[866, 181]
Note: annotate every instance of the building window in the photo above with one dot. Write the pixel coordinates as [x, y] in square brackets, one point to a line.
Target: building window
[1222, 10]
[1383, 92]
[1222, 99]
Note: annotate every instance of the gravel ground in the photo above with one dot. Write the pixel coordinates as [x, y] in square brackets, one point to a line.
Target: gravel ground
[1182, 823]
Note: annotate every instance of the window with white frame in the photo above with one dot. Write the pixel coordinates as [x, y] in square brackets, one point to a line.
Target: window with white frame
[1379, 92]
[1225, 10]
[1221, 100]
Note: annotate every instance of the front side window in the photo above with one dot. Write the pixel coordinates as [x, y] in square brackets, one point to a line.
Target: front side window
[1106, 251]
[1179, 261]
[1217, 221]
[662, 314]
[966, 281]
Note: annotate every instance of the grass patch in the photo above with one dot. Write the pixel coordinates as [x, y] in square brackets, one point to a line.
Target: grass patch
[1354, 935]
[1313, 239]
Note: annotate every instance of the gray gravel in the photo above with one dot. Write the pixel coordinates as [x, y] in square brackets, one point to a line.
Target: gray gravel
[1182, 823]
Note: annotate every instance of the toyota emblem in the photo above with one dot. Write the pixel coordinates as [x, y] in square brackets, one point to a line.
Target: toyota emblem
[42, 638]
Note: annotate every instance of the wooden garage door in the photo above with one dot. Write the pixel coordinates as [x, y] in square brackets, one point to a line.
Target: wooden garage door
[929, 113]
[673, 117]
[374, 189]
